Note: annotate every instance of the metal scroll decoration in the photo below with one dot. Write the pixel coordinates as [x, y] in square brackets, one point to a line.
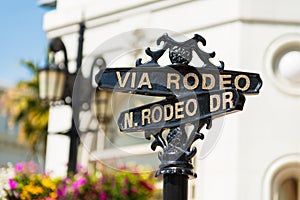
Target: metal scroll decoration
[181, 52]
[194, 95]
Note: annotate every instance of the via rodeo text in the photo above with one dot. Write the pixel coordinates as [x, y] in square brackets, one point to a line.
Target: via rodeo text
[192, 87]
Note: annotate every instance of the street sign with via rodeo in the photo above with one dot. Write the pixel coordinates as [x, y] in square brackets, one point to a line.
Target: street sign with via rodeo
[192, 93]
[175, 80]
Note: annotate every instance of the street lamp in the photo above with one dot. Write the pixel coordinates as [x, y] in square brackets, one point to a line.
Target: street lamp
[56, 85]
[52, 78]
[102, 98]
[103, 110]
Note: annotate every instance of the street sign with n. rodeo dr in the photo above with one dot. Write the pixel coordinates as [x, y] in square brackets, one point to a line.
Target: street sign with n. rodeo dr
[193, 95]
[173, 112]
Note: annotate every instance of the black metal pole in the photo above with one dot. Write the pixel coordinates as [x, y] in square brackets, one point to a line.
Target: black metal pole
[80, 45]
[73, 134]
[175, 187]
[176, 165]
[73, 150]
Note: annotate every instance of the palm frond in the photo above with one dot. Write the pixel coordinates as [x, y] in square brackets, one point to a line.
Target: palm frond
[32, 67]
[24, 107]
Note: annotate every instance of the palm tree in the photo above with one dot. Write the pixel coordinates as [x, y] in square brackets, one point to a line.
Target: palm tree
[23, 106]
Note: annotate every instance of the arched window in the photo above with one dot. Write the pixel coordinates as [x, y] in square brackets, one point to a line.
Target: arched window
[286, 183]
[282, 180]
[288, 190]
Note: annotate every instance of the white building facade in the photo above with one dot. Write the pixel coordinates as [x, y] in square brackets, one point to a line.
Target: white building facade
[257, 154]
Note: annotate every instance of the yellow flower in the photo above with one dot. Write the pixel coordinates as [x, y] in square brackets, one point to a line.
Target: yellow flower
[48, 184]
[53, 195]
[24, 195]
[35, 177]
[33, 189]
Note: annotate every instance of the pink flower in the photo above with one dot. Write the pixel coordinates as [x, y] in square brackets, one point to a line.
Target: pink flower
[123, 167]
[18, 167]
[126, 180]
[67, 180]
[124, 192]
[80, 182]
[79, 166]
[102, 179]
[103, 196]
[31, 167]
[113, 184]
[62, 191]
[12, 184]
[134, 190]
[26, 167]
[146, 185]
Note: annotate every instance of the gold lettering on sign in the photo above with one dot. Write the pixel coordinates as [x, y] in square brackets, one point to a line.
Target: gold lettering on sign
[204, 81]
[128, 120]
[178, 110]
[145, 116]
[156, 112]
[214, 103]
[227, 99]
[145, 80]
[186, 83]
[167, 108]
[133, 77]
[237, 81]
[173, 78]
[224, 82]
[195, 107]
[123, 82]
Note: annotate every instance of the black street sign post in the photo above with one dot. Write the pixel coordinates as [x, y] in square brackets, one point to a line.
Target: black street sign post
[194, 95]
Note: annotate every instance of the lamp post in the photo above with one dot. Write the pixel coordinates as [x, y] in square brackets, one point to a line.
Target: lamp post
[53, 77]
[56, 85]
[102, 98]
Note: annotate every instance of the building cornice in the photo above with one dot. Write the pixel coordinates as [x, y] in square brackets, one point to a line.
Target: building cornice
[62, 18]
[168, 14]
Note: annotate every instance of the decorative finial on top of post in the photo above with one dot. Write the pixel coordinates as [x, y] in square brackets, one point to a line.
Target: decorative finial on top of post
[180, 52]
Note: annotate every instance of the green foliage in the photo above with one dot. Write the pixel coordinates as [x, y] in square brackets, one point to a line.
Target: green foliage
[126, 183]
[23, 106]
[28, 183]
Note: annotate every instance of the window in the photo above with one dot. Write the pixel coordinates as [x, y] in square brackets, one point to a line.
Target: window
[287, 183]
[282, 60]
[282, 180]
[288, 190]
[288, 66]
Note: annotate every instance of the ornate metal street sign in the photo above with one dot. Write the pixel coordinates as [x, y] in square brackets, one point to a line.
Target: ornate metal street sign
[174, 80]
[173, 112]
[194, 96]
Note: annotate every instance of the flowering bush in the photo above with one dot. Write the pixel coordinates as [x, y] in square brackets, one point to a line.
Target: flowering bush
[103, 184]
[107, 184]
[6, 172]
[29, 183]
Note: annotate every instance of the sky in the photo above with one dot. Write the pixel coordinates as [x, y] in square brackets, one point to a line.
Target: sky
[21, 38]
